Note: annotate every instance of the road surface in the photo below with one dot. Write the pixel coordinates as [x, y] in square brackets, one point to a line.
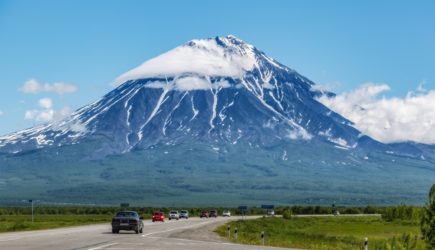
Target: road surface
[191, 234]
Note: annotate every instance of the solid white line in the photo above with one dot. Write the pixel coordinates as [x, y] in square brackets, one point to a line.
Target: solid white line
[103, 246]
[9, 239]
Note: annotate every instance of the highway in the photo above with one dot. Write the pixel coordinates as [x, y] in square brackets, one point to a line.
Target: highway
[192, 234]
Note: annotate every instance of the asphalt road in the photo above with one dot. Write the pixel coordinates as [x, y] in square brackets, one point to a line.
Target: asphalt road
[191, 234]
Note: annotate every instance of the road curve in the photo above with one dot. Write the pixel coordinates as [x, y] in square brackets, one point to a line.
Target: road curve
[170, 235]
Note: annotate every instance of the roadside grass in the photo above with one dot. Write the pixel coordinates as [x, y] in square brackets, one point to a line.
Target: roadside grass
[13, 223]
[327, 233]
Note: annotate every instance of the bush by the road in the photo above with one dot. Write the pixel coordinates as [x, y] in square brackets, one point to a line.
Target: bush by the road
[428, 220]
[287, 214]
[402, 212]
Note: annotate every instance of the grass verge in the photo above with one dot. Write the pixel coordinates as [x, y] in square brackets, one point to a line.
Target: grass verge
[327, 233]
[13, 223]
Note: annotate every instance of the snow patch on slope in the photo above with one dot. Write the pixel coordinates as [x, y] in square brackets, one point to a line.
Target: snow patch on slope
[189, 83]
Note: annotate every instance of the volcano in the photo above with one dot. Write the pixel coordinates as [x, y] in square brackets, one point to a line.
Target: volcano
[214, 120]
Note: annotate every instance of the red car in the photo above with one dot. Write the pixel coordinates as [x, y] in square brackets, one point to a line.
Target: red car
[159, 216]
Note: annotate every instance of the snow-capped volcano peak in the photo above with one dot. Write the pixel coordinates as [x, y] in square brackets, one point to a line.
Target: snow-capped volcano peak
[220, 56]
[217, 90]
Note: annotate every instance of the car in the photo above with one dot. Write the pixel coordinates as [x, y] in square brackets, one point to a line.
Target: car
[270, 212]
[159, 216]
[204, 214]
[174, 215]
[184, 214]
[213, 213]
[226, 213]
[127, 220]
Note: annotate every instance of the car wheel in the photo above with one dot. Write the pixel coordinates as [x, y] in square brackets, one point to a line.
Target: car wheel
[113, 231]
[141, 230]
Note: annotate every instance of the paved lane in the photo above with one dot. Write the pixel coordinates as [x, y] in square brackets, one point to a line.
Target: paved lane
[158, 236]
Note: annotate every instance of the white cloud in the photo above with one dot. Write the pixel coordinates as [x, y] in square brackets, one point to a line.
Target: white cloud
[32, 86]
[203, 57]
[327, 87]
[46, 112]
[39, 115]
[64, 112]
[1, 113]
[46, 103]
[191, 83]
[394, 119]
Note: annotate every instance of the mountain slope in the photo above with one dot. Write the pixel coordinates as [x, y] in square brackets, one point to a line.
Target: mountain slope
[216, 89]
[213, 121]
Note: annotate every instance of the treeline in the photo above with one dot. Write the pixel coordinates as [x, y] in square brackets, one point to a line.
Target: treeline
[46, 210]
[388, 213]
[329, 210]
[403, 212]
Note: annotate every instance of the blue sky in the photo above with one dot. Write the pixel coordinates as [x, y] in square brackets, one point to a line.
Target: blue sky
[88, 44]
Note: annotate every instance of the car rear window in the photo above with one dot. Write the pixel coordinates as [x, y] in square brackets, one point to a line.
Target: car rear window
[126, 214]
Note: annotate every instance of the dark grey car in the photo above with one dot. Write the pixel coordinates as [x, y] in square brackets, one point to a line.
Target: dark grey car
[127, 220]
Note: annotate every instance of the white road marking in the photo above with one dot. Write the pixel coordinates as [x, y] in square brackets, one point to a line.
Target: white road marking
[103, 246]
[49, 232]
[9, 239]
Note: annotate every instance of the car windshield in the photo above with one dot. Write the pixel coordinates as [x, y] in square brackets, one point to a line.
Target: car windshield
[184, 211]
[126, 214]
[174, 212]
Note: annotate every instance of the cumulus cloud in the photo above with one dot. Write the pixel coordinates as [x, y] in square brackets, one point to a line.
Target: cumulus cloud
[46, 112]
[327, 87]
[388, 120]
[46, 103]
[39, 115]
[32, 86]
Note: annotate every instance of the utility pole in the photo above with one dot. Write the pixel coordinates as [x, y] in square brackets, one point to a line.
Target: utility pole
[32, 204]
[33, 217]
